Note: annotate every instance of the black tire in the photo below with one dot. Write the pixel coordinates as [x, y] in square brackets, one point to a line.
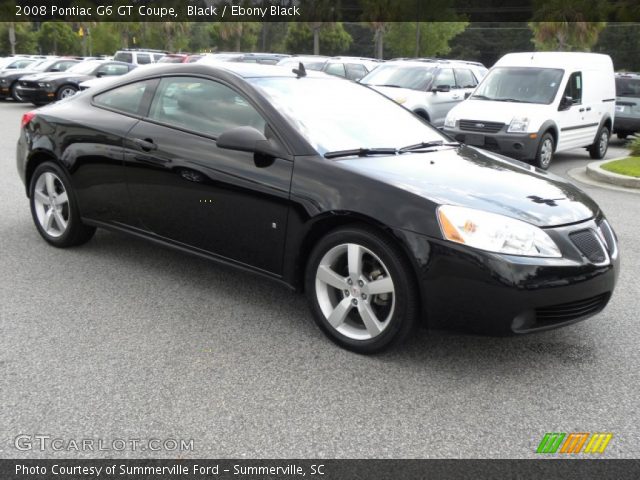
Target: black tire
[544, 153]
[66, 91]
[381, 260]
[622, 135]
[14, 93]
[599, 148]
[75, 232]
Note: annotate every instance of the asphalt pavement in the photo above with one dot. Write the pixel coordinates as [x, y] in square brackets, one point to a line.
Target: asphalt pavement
[123, 340]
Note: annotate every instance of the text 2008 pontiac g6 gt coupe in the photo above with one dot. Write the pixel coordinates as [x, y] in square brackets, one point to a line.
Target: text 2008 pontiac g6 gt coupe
[327, 186]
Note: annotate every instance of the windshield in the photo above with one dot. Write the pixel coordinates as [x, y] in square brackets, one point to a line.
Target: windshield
[42, 65]
[628, 87]
[337, 115]
[520, 84]
[85, 68]
[415, 77]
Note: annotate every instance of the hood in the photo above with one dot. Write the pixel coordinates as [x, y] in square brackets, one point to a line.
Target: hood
[402, 95]
[494, 111]
[473, 178]
[53, 76]
[16, 73]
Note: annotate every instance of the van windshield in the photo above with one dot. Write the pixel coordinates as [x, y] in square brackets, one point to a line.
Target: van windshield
[520, 84]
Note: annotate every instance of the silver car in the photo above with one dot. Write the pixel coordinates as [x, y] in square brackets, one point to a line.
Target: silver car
[627, 121]
[428, 87]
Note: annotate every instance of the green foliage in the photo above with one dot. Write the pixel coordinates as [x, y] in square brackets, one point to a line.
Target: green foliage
[622, 42]
[634, 145]
[105, 39]
[569, 29]
[628, 166]
[432, 39]
[334, 39]
[26, 38]
[58, 38]
[235, 36]
[486, 42]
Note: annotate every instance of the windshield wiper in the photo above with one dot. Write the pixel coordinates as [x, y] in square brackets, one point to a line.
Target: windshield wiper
[481, 97]
[510, 100]
[388, 85]
[421, 145]
[360, 152]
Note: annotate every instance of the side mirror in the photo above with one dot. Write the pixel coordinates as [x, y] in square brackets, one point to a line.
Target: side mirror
[55, 69]
[467, 95]
[247, 139]
[565, 103]
[441, 88]
[100, 74]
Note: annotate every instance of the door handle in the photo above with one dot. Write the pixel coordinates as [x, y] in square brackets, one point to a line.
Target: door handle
[588, 109]
[145, 144]
[581, 110]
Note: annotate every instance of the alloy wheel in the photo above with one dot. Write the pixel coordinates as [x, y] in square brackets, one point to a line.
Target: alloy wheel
[546, 152]
[67, 92]
[355, 291]
[51, 203]
[604, 143]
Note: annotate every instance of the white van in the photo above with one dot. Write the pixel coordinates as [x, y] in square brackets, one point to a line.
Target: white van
[533, 104]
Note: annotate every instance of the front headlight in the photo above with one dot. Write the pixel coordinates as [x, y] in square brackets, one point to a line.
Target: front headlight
[450, 121]
[44, 85]
[518, 124]
[3, 81]
[494, 233]
[400, 100]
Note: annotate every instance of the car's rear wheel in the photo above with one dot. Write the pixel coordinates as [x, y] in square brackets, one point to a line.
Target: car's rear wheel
[66, 91]
[622, 135]
[599, 148]
[545, 151]
[14, 93]
[361, 290]
[54, 207]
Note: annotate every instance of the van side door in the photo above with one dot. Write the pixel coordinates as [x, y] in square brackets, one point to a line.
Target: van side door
[576, 126]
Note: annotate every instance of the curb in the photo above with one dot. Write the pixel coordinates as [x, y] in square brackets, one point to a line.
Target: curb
[594, 171]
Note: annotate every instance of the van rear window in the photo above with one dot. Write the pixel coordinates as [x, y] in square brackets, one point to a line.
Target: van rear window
[628, 87]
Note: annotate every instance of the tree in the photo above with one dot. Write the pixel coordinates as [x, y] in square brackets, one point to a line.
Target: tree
[333, 38]
[58, 38]
[377, 14]
[430, 39]
[236, 36]
[25, 38]
[486, 42]
[571, 25]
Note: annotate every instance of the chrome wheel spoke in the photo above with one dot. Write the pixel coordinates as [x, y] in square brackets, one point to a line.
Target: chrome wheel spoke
[60, 221]
[354, 260]
[339, 314]
[62, 199]
[48, 220]
[49, 184]
[41, 198]
[384, 285]
[331, 278]
[371, 322]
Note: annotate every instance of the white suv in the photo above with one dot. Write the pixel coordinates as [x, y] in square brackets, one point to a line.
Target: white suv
[429, 87]
[138, 56]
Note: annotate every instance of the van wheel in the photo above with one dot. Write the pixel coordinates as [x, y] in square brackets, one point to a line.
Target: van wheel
[622, 135]
[545, 151]
[599, 148]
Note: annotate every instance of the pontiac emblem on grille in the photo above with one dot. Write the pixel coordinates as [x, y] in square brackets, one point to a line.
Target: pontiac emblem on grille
[480, 125]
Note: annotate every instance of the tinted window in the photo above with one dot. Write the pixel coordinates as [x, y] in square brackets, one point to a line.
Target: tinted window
[355, 71]
[574, 87]
[413, 77]
[335, 69]
[144, 58]
[465, 78]
[202, 106]
[445, 77]
[127, 98]
[157, 56]
[627, 87]
[123, 57]
[113, 69]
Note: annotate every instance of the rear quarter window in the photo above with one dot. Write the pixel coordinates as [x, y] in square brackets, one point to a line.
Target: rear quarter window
[123, 57]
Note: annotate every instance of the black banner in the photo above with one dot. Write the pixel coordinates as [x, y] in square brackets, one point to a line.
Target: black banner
[67, 469]
[319, 10]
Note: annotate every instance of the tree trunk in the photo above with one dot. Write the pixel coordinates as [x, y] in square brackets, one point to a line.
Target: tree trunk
[418, 32]
[380, 43]
[12, 37]
[316, 41]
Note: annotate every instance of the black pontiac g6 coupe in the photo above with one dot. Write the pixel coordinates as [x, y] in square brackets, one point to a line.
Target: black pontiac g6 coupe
[327, 186]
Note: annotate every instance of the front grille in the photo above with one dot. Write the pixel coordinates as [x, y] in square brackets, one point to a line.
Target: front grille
[480, 126]
[588, 243]
[572, 310]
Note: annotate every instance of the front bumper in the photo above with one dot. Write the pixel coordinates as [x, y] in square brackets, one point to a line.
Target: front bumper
[473, 290]
[522, 146]
[36, 96]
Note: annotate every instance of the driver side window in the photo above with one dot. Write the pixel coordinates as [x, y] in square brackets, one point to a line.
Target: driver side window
[574, 88]
[445, 77]
[202, 106]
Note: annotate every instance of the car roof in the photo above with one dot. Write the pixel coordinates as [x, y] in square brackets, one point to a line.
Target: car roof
[563, 60]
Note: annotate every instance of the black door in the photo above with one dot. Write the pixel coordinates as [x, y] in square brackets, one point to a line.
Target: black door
[187, 190]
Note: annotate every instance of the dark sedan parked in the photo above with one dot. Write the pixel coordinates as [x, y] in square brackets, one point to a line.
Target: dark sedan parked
[9, 78]
[326, 186]
[43, 88]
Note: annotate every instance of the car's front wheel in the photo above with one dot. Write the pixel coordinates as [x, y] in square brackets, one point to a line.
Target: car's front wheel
[361, 290]
[545, 151]
[599, 148]
[54, 207]
[66, 91]
[14, 93]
